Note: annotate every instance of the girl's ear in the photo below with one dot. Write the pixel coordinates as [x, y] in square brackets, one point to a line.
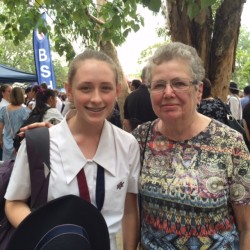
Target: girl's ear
[68, 91]
[118, 89]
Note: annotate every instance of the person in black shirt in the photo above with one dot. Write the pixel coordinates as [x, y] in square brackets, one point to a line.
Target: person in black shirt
[137, 107]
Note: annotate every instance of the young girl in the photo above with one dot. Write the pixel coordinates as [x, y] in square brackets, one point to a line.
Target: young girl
[86, 140]
[46, 105]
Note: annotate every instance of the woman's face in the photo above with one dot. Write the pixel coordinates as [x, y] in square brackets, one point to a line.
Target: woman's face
[6, 93]
[93, 90]
[170, 105]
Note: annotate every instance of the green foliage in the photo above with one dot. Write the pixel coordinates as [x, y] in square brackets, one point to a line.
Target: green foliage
[153, 5]
[241, 74]
[195, 7]
[70, 20]
[206, 3]
[148, 52]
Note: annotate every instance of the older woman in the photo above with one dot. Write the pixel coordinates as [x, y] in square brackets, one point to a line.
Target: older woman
[195, 178]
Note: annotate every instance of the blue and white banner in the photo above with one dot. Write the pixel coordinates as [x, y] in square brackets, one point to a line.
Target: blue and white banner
[44, 66]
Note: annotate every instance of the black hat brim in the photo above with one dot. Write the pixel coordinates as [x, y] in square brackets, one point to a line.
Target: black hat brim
[68, 209]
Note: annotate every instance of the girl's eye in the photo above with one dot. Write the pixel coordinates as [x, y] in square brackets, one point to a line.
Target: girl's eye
[107, 88]
[85, 88]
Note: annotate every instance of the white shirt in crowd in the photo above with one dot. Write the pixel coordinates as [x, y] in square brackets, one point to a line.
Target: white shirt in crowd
[235, 107]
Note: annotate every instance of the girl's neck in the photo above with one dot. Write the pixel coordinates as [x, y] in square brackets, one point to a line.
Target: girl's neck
[87, 136]
[77, 125]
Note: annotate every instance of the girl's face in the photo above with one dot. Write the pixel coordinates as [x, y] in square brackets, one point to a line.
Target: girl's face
[171, 105]
[52, 101]
[93, 90]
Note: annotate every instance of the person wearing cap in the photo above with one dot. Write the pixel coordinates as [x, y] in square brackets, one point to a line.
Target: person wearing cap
[234, 102]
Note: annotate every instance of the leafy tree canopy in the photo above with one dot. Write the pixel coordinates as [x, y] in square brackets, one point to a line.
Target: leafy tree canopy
[88, 20]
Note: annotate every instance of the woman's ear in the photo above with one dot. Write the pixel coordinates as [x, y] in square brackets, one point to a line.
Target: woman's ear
[200, 91]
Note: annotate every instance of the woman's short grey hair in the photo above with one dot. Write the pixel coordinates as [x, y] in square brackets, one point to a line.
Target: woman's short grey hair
[177, 50]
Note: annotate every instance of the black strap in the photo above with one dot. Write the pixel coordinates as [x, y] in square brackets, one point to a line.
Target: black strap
[142, 159]
[145, 144]
[38, 151]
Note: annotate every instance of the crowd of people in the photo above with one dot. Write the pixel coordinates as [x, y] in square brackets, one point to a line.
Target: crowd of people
[17, 105]
[175, 177]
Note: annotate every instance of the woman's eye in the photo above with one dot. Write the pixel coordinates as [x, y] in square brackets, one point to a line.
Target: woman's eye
[179, 84]
[159, 85]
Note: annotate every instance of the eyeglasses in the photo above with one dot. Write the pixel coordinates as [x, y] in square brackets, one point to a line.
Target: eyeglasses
[178, 85]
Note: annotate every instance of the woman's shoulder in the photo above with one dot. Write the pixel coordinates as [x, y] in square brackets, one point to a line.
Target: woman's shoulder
[223, 134]
[144, 128]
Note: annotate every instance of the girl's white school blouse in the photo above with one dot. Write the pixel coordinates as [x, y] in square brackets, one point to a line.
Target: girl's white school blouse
[117, 152]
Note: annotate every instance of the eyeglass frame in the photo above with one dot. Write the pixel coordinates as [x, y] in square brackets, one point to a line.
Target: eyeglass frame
[191, 82]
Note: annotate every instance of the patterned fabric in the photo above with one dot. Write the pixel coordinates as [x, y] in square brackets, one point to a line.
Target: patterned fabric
[213, 108]
[187, 188]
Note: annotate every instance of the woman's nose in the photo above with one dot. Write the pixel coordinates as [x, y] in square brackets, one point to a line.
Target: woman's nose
[168, 90]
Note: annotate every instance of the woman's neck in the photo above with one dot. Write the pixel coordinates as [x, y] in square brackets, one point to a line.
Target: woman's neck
[183, 130]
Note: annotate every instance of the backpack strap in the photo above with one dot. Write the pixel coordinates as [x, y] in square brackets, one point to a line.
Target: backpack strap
[145, 140]
[38, 151]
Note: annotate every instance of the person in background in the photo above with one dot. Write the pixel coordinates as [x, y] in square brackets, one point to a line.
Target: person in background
[135, 84]
[5, 91]
[246, 99]
[115, 117]
[29, 100]
[46, 104]
[85, 143]
[59, 103]
[195, 183]
[137, 106]
[209, 106]
[12, 117]
[234, 102]
[246, 123]
[33, 95]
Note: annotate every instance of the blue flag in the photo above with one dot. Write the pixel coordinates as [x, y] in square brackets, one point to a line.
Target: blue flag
[44, 66]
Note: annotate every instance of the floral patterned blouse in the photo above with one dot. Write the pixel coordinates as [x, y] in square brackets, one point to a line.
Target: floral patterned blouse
[213, 108]
[188, 187]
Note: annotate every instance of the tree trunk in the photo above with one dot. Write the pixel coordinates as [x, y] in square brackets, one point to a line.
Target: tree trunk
[216, 46]
[224, 44]
[109, 49]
